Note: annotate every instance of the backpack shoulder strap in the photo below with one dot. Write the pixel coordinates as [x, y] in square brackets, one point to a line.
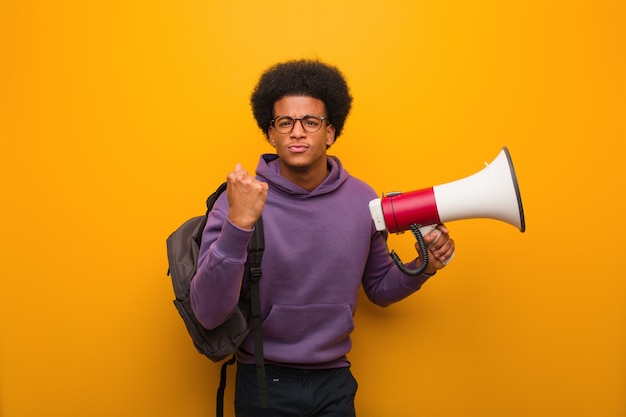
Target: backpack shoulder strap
[210, 201]
[257, 246]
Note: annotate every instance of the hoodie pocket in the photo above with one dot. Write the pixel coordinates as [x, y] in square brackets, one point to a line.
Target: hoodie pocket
[314, 333]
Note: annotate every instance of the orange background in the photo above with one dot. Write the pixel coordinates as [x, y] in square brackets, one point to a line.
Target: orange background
[117, 118]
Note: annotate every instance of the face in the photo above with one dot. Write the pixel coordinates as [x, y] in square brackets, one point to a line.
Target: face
[300, 152]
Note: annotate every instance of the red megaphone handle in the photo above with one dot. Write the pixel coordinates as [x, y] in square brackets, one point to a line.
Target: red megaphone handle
[423, 251]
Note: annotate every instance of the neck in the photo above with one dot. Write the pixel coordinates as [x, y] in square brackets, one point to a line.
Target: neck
[307, 178]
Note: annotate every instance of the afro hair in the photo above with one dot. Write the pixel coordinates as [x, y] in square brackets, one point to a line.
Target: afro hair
[302, 78]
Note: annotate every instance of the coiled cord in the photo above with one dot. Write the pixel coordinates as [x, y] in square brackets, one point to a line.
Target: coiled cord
[415, 229]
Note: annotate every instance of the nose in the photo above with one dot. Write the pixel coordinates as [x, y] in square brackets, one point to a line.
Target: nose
[298, 129]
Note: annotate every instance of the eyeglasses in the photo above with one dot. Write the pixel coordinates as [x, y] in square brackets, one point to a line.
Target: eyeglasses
[310, 123]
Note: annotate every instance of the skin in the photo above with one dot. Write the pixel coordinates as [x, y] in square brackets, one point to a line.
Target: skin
[302, 158]
[302, 155]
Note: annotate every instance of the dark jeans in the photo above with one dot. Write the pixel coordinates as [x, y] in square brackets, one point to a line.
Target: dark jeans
[296, 392]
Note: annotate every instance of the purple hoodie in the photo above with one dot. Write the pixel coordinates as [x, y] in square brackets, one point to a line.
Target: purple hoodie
[320, 247]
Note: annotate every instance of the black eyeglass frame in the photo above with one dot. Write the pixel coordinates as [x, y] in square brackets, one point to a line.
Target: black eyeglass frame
[301, 119]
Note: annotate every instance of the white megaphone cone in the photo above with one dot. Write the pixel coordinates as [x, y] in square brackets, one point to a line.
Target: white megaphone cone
[491, 193]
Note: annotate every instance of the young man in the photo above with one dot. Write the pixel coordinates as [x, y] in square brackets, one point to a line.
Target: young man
[320, 247]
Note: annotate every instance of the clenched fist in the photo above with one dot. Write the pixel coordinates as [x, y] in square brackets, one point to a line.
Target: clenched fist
[246, 198]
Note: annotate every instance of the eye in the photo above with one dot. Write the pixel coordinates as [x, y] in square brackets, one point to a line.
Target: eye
[284, 122]
[312, 121]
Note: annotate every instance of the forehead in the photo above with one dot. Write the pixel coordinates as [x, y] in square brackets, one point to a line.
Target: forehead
[297, 106]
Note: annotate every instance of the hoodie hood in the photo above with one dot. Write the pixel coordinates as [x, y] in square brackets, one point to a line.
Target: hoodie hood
[268, 170]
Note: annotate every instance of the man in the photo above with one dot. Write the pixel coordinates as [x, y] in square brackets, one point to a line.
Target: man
[320, 246]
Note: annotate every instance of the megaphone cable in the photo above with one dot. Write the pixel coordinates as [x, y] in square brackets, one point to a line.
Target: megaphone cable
[415, 229]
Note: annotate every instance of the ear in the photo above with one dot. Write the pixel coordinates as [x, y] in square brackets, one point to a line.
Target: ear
[270, 137]
[330, 135]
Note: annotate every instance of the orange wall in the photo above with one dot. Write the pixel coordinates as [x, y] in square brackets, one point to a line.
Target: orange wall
[118, 118]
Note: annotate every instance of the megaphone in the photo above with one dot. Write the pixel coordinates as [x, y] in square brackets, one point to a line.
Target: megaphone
[491, 193]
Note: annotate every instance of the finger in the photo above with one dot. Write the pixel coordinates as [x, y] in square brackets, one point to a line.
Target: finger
[447, 260]
[442, 245]
[442, 227]
[445, 253]
[434, 235]
[437, 244]
[239, 174]
[240, 171]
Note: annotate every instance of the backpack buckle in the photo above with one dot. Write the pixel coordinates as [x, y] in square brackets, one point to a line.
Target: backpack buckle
[255, 273]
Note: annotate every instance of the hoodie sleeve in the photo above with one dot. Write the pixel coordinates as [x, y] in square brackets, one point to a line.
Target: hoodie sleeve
[383, 281]
[223, 252]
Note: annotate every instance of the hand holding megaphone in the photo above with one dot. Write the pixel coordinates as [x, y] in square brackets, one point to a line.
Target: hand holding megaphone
[425, 230]
[491, 193]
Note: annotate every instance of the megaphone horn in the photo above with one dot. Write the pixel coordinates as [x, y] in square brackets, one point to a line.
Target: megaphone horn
[491, 193]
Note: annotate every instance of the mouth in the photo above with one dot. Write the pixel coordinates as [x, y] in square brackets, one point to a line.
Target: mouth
[297, 148]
